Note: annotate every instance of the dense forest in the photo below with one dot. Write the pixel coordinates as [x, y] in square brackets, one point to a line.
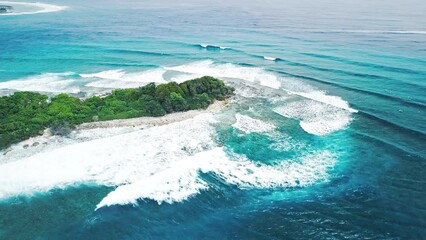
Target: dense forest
[27, 114]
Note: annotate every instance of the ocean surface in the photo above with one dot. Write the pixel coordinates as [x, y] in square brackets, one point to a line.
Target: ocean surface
[325, 138]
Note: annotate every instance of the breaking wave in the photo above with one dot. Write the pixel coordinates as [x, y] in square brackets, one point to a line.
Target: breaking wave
[228, 70]
[318, 112]
[49, 82]
[120, 79]
[110, 160]
[182, 180]
[165, 168]
[164, 163]
[315, 117]
[212, 47]
[322, 97]
[271, 58]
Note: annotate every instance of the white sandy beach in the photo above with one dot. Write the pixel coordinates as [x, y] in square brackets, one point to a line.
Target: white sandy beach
[152, 121]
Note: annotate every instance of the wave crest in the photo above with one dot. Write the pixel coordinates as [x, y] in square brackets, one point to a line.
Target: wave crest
[181, 180]
[274, 59]
[159, 163]
[315, 117]
[212, 47]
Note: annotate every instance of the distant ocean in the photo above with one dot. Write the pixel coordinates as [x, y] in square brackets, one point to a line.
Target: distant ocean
[325, 138]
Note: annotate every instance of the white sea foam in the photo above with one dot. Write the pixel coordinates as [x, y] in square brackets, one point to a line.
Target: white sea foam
[319, 113]
[38, 8]
[109, 74]
[322, 97]
[283, 142]
[315, 117]
[92, 83]
[160, 163]
[250, 125]
[110, 161]
[249, 78]
[49, 82]
[184, 77]
[270, 58]
[120, 79]
[181, 180]
[251, 74]
[46, 142]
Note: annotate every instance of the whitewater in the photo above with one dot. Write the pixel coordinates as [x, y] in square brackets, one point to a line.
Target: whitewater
[163, 163]
[318, 112]
[164, 168]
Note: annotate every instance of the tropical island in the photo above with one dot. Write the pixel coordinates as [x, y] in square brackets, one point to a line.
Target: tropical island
[27, 114]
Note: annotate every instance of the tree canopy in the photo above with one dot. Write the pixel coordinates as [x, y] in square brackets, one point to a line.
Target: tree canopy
[26, 114]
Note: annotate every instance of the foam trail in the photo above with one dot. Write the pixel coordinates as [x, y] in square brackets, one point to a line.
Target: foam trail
[109, 74]
[174, 184]
[107, 161]
[260, 76]
[70, 82]
[182, 180]
[120, 79]
[110, 79]
[324, 116]
[42, 8]
[179, 78]
[250, 125]
[164, 168]
[315, 117]
[251, 74]
[49, 82]
[320, 96]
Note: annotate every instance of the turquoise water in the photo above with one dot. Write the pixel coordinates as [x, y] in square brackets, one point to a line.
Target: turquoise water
[325, 138]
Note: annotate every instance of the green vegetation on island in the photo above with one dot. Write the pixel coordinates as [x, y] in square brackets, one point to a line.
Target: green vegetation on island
[27, 114]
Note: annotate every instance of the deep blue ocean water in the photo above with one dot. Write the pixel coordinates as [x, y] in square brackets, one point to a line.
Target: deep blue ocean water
[343, 84]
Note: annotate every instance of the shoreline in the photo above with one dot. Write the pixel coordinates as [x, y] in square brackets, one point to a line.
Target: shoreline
[152, 121]
[63, 112]
[38, 141]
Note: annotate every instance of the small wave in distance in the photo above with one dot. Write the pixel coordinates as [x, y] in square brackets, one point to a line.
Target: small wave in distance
[212, 47]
